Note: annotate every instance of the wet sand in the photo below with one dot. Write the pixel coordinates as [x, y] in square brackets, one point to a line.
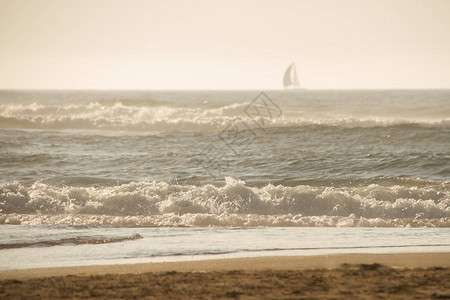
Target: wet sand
[366, 276]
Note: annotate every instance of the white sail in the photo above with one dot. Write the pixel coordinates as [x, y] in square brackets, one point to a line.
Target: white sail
[290, 79]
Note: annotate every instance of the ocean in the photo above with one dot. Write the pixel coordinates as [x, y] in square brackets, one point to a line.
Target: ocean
[92, 177]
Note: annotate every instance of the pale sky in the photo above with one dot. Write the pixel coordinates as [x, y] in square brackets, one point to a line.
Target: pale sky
[230, 44]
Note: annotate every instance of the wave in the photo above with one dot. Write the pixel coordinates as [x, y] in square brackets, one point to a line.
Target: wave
[117, 116]
[78, 240]
[223, 220]
[415, 203]
[219, 252]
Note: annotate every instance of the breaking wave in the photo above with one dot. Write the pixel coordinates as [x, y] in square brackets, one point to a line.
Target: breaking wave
[117, 116]
[416, 203]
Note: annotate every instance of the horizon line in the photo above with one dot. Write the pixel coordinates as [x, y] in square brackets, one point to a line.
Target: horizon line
[218, 89]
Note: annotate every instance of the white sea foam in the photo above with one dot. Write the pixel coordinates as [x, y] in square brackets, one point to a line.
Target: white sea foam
[223, 220]
[117, 116]
[235, 204]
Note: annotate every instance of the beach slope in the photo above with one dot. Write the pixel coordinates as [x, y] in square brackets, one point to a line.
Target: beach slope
[290, 277]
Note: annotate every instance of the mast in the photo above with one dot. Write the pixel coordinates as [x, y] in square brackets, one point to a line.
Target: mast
[295, 83]
[287, 79]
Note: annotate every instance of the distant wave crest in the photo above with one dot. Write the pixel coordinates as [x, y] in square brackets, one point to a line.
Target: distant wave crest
[117, 116]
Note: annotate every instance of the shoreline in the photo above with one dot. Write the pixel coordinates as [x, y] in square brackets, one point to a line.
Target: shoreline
[330, 261]
[341, 276]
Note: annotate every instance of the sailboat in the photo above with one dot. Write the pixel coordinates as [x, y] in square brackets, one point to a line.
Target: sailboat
[290, 79]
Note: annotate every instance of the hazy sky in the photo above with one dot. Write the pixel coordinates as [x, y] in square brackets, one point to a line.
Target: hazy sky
[242, 44]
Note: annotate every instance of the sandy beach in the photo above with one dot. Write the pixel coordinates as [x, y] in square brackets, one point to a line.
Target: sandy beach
[292, 149]
[366, 276]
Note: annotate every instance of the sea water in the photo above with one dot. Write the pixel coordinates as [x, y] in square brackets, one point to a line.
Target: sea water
[90, 177]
